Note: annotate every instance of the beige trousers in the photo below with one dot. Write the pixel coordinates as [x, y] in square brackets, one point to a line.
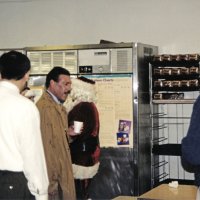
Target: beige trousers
[198, 194]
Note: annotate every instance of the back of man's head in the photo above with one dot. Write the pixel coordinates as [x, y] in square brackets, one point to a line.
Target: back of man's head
[54, 75]
[14, 65]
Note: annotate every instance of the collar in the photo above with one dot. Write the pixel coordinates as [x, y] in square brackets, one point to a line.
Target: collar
[54, 97]
[10, 86]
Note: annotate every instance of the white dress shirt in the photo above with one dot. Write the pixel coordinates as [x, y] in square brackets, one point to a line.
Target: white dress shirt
[21, 148]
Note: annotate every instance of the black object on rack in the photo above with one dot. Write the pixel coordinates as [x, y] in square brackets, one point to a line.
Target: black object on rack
[167, 149]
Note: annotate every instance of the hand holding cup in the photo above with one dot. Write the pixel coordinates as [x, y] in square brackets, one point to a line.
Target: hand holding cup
[78, 127]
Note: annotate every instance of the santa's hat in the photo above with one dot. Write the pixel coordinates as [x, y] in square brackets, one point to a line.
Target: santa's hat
[83, 90]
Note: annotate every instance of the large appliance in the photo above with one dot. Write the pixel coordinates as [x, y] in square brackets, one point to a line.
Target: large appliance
[121, 72]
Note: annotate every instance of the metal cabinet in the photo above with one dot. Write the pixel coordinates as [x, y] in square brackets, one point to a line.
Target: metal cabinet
[124, 169]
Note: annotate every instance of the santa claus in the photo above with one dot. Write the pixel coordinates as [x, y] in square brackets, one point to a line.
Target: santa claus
[85, 148]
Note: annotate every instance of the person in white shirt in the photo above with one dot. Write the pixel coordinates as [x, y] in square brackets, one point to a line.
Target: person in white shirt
[23, 172]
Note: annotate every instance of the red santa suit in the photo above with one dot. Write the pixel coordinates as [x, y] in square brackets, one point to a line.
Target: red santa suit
[85, 148]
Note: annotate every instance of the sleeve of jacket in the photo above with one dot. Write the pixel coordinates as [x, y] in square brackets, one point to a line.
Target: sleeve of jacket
[47, 138]
[191, 143]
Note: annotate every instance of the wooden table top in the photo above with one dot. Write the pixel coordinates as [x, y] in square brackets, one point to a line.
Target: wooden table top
[164, 192]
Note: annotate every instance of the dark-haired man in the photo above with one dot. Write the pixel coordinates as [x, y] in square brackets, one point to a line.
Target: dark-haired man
[23, 172]
[54, 128]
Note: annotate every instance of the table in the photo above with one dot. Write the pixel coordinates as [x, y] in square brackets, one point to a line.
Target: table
[125, 198]
[164, 192]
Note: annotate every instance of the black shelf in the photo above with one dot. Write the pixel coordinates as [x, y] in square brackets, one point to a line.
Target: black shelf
[180, 63]
[176, 77]
[167, 149]
[180, 89]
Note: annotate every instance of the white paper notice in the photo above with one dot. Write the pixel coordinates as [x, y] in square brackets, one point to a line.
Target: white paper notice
[114, 95]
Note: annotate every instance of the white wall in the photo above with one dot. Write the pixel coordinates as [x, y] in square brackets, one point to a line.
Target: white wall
[173, 25]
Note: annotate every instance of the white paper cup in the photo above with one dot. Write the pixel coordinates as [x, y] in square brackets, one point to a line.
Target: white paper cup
[77, 127]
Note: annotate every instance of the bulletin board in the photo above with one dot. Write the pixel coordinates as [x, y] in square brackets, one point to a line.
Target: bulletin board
[115, 106]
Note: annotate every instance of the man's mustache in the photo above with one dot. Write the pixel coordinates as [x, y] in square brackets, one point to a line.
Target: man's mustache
[68, 92]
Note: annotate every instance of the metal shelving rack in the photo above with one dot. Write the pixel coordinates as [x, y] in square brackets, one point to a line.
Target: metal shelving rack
[171, 109]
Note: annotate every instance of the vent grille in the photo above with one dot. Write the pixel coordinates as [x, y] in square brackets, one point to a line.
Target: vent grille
[70, 61]
[58, 59]
[35, 62]
[43, 61]
[121, 60]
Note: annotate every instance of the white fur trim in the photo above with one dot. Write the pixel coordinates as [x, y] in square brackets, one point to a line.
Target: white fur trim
[82, 172]
[81, 92]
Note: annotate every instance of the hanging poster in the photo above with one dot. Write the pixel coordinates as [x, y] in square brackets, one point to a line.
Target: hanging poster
[115, 106]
